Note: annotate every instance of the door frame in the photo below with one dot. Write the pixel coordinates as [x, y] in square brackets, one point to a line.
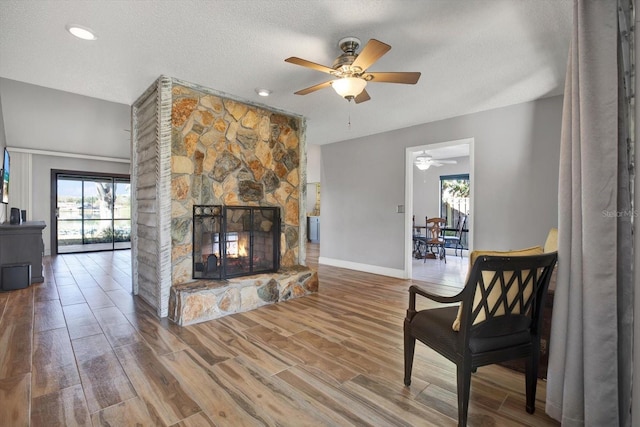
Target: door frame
[408, 196]
[54, 197]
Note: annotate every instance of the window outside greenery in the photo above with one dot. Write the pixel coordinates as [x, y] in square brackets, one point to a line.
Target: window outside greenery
[455, 200]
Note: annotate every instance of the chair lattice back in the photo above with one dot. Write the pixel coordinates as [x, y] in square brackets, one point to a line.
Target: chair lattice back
[507, 288]
[502, 293]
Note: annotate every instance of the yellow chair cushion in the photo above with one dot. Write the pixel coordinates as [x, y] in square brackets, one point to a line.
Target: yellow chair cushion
[534, 250]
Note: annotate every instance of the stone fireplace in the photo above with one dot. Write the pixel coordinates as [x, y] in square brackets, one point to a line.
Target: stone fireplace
[195, 147]
[234, 241]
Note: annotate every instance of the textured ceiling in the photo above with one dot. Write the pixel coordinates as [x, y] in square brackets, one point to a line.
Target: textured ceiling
[473, 55]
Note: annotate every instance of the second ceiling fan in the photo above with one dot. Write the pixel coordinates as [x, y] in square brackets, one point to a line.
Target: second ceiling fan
[350, 70]
[424, 161]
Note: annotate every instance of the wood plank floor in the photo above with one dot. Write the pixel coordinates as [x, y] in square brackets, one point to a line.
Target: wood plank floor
[78, 349]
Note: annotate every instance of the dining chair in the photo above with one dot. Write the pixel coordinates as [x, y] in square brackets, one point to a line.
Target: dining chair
[500, 319]
[457, 239]
[418, 241]
[433, 237]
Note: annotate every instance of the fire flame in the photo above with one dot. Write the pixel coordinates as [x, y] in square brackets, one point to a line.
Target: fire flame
[242, 251]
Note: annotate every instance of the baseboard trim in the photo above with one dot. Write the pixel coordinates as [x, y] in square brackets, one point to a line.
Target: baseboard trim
[366, 268]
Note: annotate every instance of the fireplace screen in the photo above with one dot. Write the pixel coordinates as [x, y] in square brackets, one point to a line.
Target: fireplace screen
[231, 241]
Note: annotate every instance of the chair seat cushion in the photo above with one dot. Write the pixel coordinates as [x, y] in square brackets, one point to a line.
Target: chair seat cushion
[480, 345]
[433, 327]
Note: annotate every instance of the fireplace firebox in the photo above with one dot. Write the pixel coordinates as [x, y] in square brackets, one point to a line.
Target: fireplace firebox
[232, 241]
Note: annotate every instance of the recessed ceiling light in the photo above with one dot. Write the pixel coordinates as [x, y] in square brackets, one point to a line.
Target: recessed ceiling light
[83, 33]
[263, 92]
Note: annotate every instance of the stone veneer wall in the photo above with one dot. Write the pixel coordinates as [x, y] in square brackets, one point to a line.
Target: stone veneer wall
[207, 148]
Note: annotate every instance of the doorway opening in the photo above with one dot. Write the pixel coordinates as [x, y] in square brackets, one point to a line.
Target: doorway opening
[90, 212]
[424, 197]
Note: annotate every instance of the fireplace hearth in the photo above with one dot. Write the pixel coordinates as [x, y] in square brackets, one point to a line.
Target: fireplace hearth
[233, 241]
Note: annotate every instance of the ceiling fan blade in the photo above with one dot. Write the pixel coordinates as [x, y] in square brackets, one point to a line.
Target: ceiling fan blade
[314, 88]
[405, 78]
[447, 162]
[364, 96]
[370, 53]
[309, 64]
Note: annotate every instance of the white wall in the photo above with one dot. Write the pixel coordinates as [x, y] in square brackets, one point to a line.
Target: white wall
[516, 179]
[426, 187]
[314, 162]
[3, 143]
[314, 157]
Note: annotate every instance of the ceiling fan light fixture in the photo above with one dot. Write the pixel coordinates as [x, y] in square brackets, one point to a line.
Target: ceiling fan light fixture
[349, 87]
[422, 163]
[83, 33]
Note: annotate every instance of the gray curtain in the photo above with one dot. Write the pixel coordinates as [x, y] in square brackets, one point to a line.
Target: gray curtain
[589, 376]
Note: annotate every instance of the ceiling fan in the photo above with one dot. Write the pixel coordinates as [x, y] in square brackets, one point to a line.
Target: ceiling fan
[424, 162]
[350, 70]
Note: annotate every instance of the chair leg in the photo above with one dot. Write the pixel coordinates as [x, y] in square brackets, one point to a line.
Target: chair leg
[531, 375]
[464, 386]
[409, 350]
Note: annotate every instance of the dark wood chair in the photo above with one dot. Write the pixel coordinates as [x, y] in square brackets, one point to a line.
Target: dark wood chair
[433, 237]
[456, 240]
[418, 241]
[500, 319]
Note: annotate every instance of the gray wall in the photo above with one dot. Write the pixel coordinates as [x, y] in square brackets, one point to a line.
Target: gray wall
[516, 179]
[47, 119]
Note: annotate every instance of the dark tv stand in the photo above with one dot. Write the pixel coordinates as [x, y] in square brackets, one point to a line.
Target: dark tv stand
[22, 244]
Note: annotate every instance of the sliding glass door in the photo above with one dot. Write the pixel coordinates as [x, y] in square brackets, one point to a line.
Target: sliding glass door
[92, 212]
[455, 203]
[454, 198]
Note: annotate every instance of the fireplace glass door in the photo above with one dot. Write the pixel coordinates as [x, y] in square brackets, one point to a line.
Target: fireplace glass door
[207, 254]
[235, 241]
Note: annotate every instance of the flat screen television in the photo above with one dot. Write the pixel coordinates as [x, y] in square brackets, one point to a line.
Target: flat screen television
[5, 177]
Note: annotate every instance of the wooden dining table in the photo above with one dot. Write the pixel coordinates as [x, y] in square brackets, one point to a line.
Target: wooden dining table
[418, 228]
